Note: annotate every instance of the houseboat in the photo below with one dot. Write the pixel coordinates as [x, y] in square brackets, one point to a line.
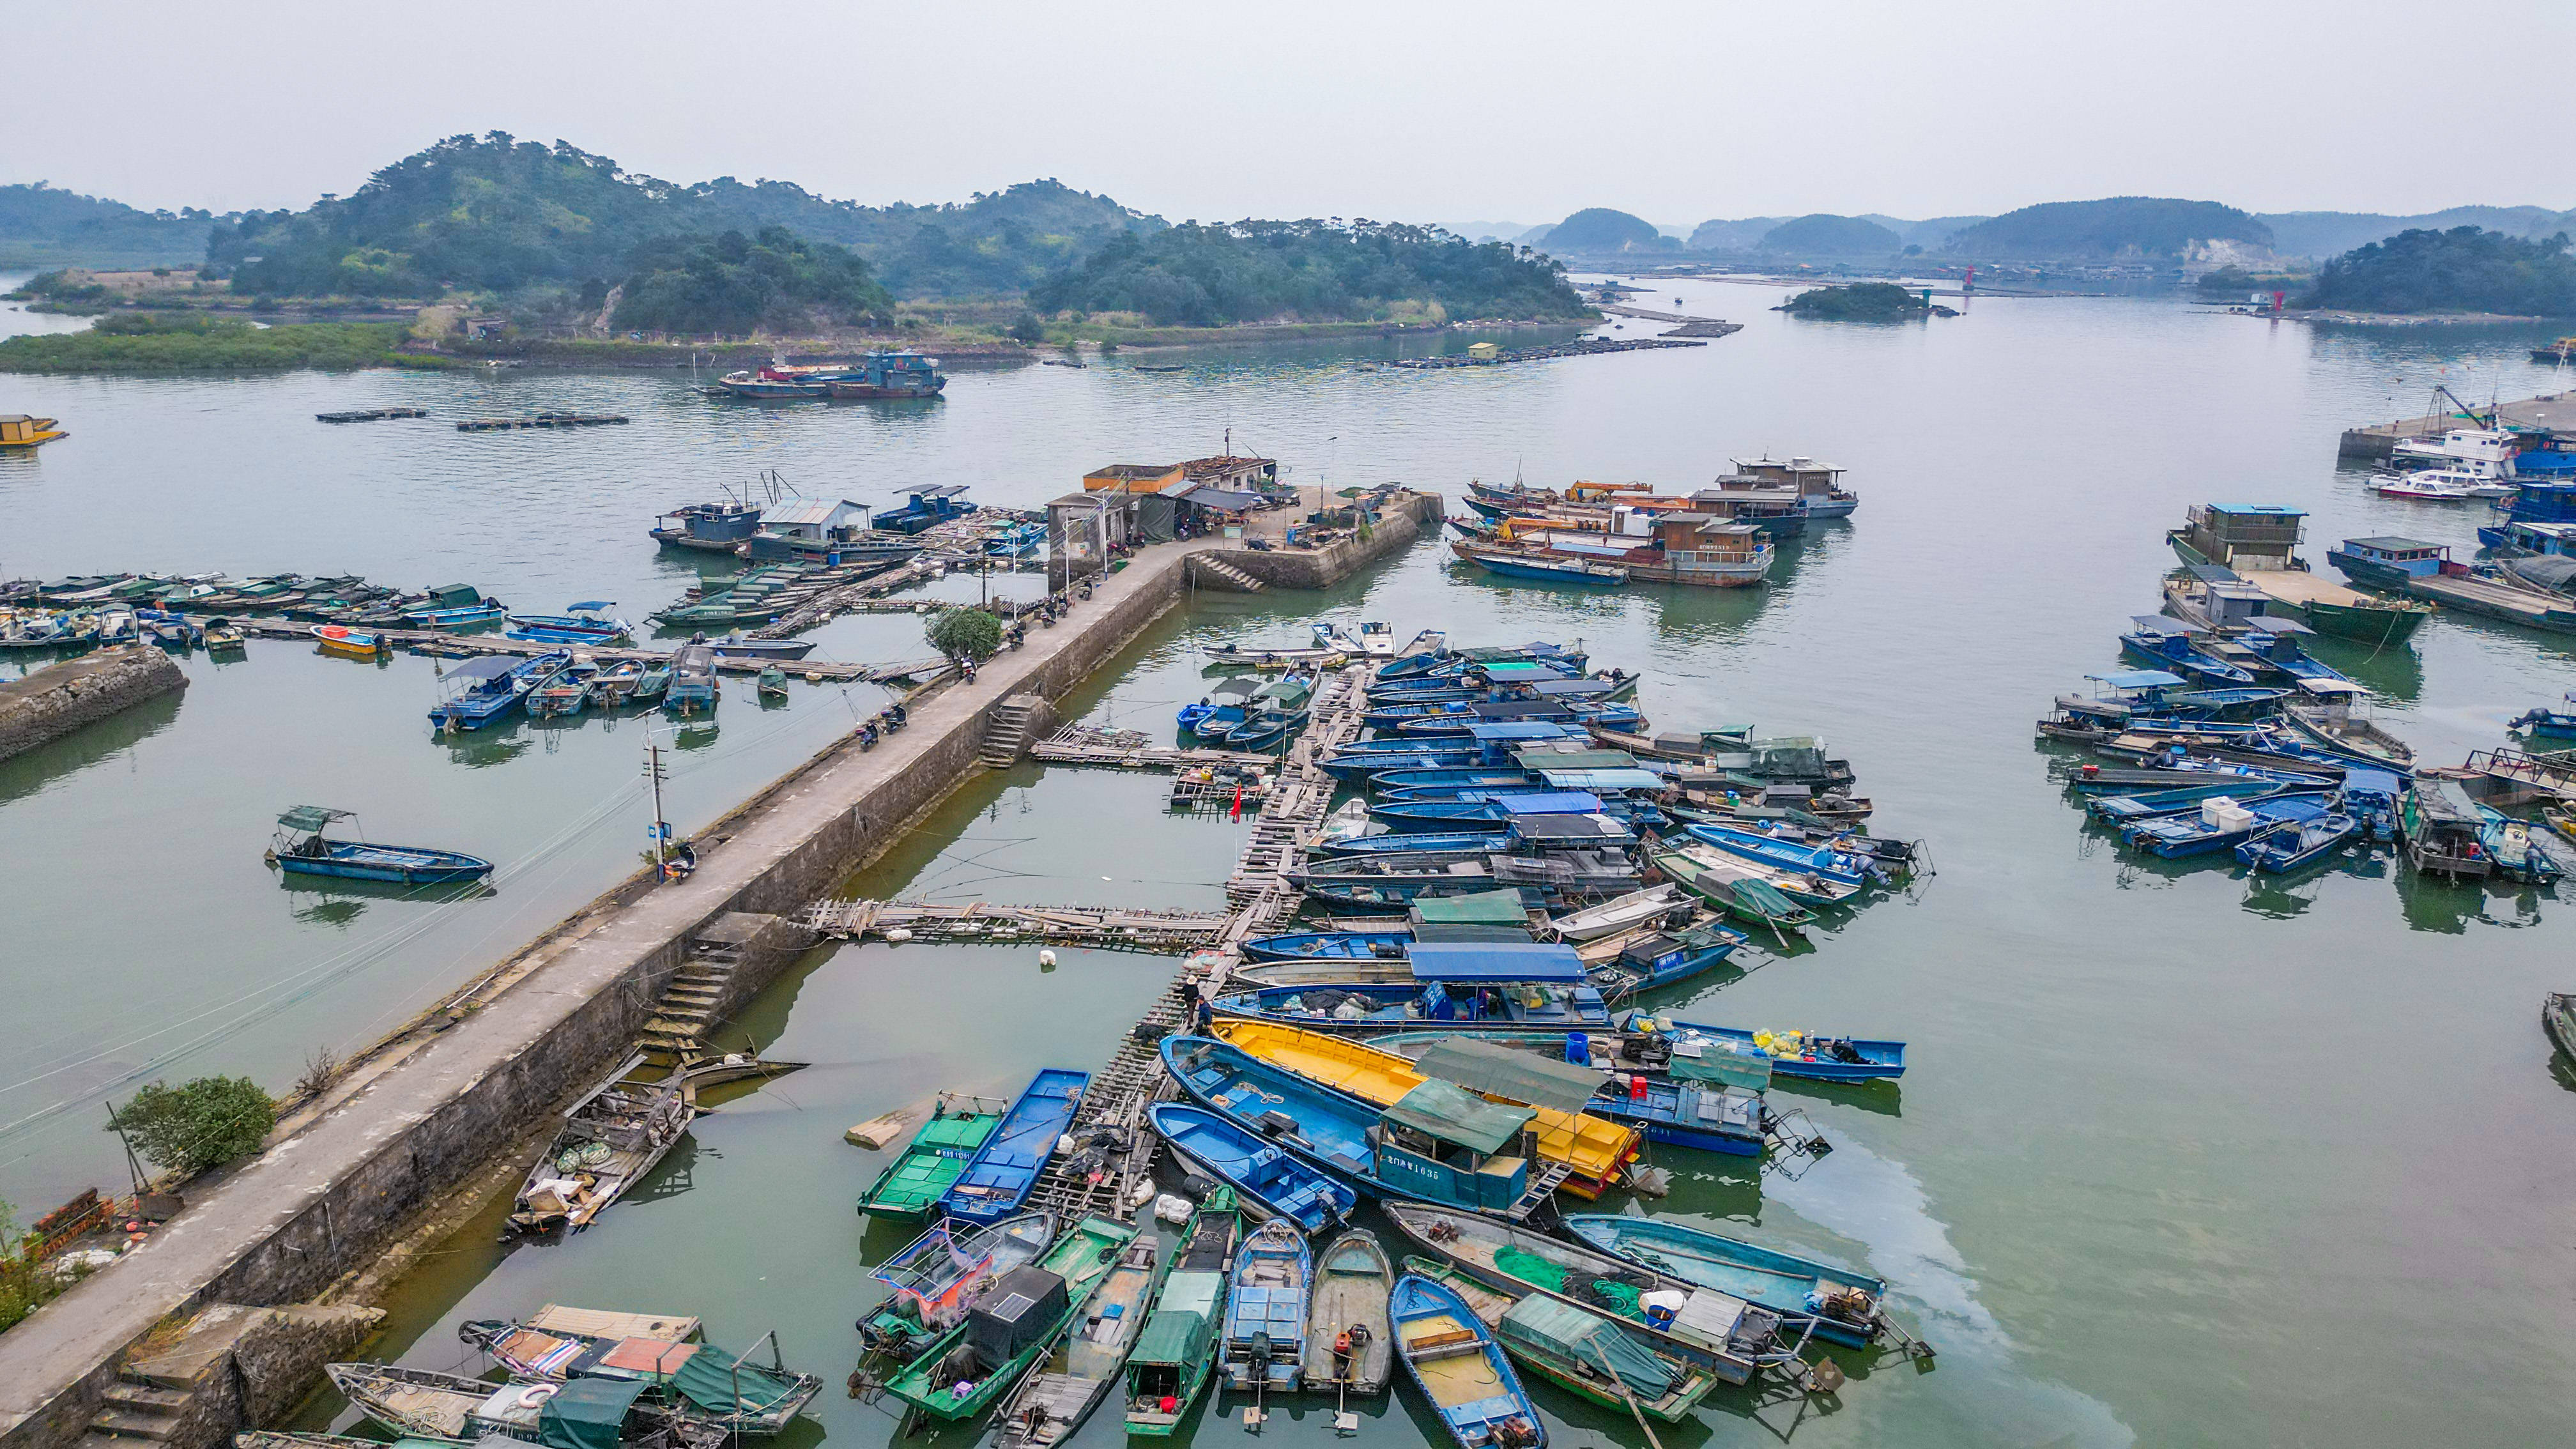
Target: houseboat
[809, 531]
[17, 430]
[1819, 485]
[926, 506]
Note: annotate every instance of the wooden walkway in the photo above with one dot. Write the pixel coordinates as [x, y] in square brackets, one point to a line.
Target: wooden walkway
[466, 646]
[1157, 932]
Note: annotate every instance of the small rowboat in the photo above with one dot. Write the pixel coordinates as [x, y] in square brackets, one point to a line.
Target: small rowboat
[1452, 1357]
[301, 849]
[1272, 1182]
[2298, 844]
[1843, 1305]
[1618, 914]
[356, 643]
[1809, 1055]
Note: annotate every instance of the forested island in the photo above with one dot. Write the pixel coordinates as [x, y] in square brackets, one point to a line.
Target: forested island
[2464, 269]
[1862, 302]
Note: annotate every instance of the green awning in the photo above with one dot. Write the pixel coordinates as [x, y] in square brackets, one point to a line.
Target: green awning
[588, 1413]
[310, 817]
[1749, 1070]
[1173, 1337]
[1558, 1330]
[1451, 1113]
[1511, 1074]
[1544, 759]
[709, 1380]
[1445, 933]
[1482, 908]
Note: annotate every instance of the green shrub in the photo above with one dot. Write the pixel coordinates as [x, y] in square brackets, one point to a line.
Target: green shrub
[970, 632]
[199, 1124]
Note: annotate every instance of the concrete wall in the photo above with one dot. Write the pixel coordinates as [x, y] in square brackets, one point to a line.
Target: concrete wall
[1398, 528]
[60, 698]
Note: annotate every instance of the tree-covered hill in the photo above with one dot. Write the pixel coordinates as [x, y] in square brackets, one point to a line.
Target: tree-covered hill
[733, 285]
[499, 214]
[2464, 269]
[1598, 229]
[1827, 235]
[2145, 226]
[1311, 271]
[43, 225]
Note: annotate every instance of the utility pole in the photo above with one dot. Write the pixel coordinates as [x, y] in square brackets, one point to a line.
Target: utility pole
[661, 830]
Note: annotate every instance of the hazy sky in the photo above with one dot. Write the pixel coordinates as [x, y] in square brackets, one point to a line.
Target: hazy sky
[1396, 111]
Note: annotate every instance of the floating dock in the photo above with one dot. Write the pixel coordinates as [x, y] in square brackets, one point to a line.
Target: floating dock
[371, 415]
[541, 420]
[2469, 594]
[1588, 347]
[1162, 933]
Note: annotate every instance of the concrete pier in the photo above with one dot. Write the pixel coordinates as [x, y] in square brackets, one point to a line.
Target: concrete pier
[60, 698]
[431, 1106]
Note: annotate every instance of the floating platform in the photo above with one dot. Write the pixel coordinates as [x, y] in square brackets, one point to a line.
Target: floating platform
[1588, 347]
[371, 415]
[1165, 933]
[541, 420]
[1127, 750]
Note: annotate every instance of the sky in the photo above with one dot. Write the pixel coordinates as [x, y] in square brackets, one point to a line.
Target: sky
[1408, 111]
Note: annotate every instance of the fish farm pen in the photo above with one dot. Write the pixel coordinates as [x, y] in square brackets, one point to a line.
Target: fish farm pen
[541, 420]
[370, 415]
[1586, 347]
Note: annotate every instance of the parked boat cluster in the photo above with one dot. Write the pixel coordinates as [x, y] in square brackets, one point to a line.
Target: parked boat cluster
[2232, 739]
[1720, 536]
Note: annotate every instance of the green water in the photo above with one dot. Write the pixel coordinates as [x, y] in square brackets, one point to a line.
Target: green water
[2181, 1158]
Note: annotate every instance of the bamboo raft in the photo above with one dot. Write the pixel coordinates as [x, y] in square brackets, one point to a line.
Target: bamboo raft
[541, 420]
[370, 415]
[1100, 928]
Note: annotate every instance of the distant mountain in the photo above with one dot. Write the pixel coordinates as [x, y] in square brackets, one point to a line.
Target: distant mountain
[46, 226]
[499, 214]
[2146, 227]
[1509, 231]
[2332, 233]
[1733, 236]
[1928, 234]
[1826, 235]
[1597, 230]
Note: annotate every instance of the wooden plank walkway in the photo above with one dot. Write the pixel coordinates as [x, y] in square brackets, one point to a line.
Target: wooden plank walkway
[1157, 932]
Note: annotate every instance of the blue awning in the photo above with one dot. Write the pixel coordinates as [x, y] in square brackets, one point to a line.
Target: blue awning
[490, 666]
[590, 604]
[2138, 679]
[1612, 782]
[1552, 802]
[1522, 729]
[1495, 961]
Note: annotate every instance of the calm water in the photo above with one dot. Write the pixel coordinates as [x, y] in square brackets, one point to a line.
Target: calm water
[2183, 1159]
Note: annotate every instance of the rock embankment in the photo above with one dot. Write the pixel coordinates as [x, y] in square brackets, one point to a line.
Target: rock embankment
[56, 700]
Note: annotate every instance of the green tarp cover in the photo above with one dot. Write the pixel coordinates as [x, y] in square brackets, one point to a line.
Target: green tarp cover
[1453, 1114]
[1515, 672]
[309, 817]
[1444, 933]
[1564, 1331]
[1517, 1076]
[958, 1129]
[1541, 759]
[1482, 908]
[1717, 1064]
[588, 1414]
[1174, 1337]
[709, 1379]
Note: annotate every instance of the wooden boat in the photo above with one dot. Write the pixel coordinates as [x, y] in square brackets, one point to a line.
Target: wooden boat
[2298, 844]
[1263, 729]
[221, 636]
[998, 1177]
[1439, 1141]
[1806, 888]
[1582, 1352]
[1265, 1311]
[1050, 1405]
[1594, 1150]
[300, 848]
[424, 1404]
[1350, 1342]
[935, 1158]
[936, 1277]
[1809, 1055]
[564, 695]
[650, 685]
[1331, 946]
[1706, 1327]
[1842, 1306]
[1452, 1357]
[1362, 1008]
[1176, 1354]
[1645, 957]
[583, 623]
[2217, 826]
[609, 1141]
[1268, 1181]
[2558, 1018]
[2562, 821]
[555, 1341]
[614, 684]
[2546, 722]
[772, 683]
[1538, 566]
[1620, 913]
[355, 643]
[1753, 901]
[1013, 1324]
[1821, 861]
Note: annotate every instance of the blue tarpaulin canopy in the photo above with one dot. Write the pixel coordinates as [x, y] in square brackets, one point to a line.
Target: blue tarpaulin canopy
[2137, 679]
[2159, 624]
[1523, 729]
[1475, 961]
[489, 667]
[587, 605]
[1554, 802]
[1604, 781]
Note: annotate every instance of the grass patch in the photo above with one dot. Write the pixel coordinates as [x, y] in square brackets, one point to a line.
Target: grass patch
[164, 342]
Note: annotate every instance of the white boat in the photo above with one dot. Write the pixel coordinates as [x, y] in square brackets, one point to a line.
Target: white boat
[2433, 485]
[2486, 453]
[1620, 913]
[1377, 640]
[1349, 821]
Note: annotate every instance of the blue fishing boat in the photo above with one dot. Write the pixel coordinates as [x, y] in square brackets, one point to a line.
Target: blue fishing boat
[470, 616]
[926, 507]
[1458, 986]
[1273, 1183]
[2181, 800]
[1330, 946]
[1471, 841]
[2296, 845]
[563, 695]
[998, 1178]
[1834, 865]
[1265, 729]
[587, 622]
[1544, 568]
[301, 849]
[1660, 958]
[737, 646]
[1265, 1310]
[1452, 1357]
[2163, 643]
[1413, 816]
[478, 692]
[1809, 1055]
[1439, 783]
[1358, 766]
[693, 689]
[2219, 826]
[1438, 1143]
[1842, 1305]
[2546, 722]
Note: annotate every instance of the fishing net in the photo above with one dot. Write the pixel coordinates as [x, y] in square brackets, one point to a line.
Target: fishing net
[588, 1154]
[1531, 1268]
[1615, 1292]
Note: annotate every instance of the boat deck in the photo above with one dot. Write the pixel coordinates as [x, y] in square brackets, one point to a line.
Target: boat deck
[2305, 586]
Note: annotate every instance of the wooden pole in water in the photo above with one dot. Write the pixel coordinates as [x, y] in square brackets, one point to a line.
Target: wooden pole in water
[1627, 1398]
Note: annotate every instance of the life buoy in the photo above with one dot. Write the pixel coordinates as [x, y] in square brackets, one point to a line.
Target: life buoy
[535, 1394]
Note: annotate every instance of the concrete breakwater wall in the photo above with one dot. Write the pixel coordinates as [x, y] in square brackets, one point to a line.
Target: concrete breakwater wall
[60, 698]
[1397, 529]
[432, 1106]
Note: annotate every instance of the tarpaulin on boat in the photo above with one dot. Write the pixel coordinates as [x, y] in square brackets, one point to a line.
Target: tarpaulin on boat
[1551, 802]
[1522, 729]
[1484, 908]
[1559, 1330]
[1451, 1113]
[1618, 781]
[1547, 759]
[1471, 962]
[2137, 679]
[1510, 1073]
[588, 1413]
[710, 1381]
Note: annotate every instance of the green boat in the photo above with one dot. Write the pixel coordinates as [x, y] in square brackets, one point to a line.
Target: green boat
[1176, 1355]
[1012, 1325]
[1748, 900]
[1576, 1349]
[934, 1160]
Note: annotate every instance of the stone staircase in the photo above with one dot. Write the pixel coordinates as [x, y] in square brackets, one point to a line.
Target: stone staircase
[1006, 737]
[1224, 575]
[688, 1006]
[137, 1407]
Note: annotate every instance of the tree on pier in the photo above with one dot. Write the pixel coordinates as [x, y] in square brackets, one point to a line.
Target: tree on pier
[970, 632]
[198, 1124]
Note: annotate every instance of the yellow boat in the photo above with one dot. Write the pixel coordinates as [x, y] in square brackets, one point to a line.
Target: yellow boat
[17, 430]
[356, 643]
[2562, 821]
[1594, 1149]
